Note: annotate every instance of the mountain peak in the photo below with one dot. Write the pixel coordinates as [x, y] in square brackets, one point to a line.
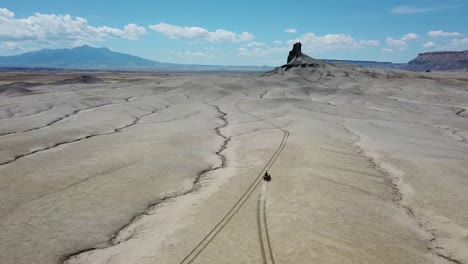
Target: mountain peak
[81, 57]
[87, 47]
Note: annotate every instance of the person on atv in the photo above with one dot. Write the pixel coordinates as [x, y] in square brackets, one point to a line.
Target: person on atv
[267, 176]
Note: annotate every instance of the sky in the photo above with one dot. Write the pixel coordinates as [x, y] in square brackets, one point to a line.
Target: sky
[238, 32]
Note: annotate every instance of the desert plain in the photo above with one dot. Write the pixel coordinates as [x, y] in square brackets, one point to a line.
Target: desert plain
[367, 166]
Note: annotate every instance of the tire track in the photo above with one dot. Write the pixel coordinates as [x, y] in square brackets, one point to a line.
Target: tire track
[262, 225]
[207, 239]
[259, 225]
[270, 249]
[261, 207]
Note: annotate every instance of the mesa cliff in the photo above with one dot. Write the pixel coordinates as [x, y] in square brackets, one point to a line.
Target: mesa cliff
[440, 61]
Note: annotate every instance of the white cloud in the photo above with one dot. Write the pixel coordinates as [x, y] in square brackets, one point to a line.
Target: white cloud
[403, 9]
[428, 45]
[253, 52]
[459, 44]
[133, 31]
[399, 44]
[194, 54]
[314, 43]
[396, 44]
[440, 33]
[219, 35]
[9, 45]
[413, 10]
[256, 44]
[278, 42]
[6, 14]
[291, 30]
[409, 36]
[369, 42]
[261, 52]
[42, 30]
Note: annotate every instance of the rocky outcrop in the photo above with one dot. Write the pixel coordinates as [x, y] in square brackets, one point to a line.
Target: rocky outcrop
[300, 65]
[440, 61]
[297, 59]
[295, 52]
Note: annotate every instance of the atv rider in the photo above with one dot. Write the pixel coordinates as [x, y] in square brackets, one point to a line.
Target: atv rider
[267, 176]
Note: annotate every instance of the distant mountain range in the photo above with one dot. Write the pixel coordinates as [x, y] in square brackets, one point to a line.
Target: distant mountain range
[79, 57]
[86, 57]
[90, 58]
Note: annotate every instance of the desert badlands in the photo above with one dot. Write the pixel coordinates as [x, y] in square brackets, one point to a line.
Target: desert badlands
[367, 166]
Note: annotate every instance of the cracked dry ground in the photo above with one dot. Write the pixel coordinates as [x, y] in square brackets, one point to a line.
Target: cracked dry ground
[141, 168]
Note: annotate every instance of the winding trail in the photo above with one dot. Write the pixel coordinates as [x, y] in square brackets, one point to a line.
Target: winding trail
[262, 223]
[207, 239]
[262, 226]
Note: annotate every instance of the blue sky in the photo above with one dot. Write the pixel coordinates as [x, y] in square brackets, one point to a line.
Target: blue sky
[238, 32]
